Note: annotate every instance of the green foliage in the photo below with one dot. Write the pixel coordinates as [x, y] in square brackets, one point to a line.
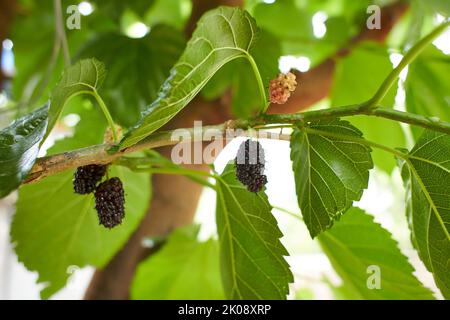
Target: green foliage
[222, 35]
[439, 6]
[331, 168]
[338, 31]
[251, 254]
[427, 86]
[19, 147]
[292, 27]
[288, 23]
[182, 264]
[356, 80]
[37, 73]
[291, 22]
[116, 8]
[426, 172]
[342, 291]
[239, 76]
[54, 228]
[348, 9]
[357, 242]
[170, 12]
[84, 77]
[134, 78]
[284, 19]
[32, 67]
[88, 131]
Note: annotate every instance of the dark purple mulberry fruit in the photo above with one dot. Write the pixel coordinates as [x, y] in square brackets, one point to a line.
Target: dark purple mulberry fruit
[250, 163]
[87, 177]
[110, 202]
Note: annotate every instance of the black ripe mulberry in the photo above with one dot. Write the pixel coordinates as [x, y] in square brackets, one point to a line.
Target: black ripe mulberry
[250, 165]
[87, 177]
[110, 202]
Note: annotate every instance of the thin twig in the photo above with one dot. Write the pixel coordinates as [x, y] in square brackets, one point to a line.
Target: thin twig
[101, 154]
[61, 31]
[432, 123]
[407, 59]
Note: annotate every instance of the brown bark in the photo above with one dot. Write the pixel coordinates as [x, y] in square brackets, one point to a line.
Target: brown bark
[175, 198]
[7, 10]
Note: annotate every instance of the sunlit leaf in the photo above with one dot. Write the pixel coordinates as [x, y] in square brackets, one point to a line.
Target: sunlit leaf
[19, 147]
[331, 168]
[251, 254]
[56, 231]
[183, 269]
[427, 174]
[222, 35]
[355, 245]
[86, 76]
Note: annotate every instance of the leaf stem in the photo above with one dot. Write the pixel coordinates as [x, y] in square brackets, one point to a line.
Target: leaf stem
[58, 42]
[352, 110]
[358, 140]
[102, 154]
[290, 213]
[147, 165]
[192, 174]
[108, 117]
[407, 59]
[432, 123]
[61, 31]
[262, 89]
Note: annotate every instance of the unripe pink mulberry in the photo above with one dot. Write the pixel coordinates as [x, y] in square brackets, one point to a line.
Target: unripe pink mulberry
[281, 87]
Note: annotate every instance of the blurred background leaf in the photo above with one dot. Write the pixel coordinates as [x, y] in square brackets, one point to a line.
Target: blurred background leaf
[356, 243]
[136, 68]
[356, 79]
[182, 264]
[428, 86]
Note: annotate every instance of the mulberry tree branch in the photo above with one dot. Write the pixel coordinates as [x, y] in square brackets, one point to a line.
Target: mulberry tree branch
[99, 154]
[431, 123]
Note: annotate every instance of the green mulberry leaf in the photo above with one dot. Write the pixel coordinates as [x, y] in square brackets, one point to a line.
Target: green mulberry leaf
[86, 76]
[251, 254]
[354, 244]
[331, 168]
[54, 228]
[222, 35]
[19, 148]
[183, 268]
[426, 172]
